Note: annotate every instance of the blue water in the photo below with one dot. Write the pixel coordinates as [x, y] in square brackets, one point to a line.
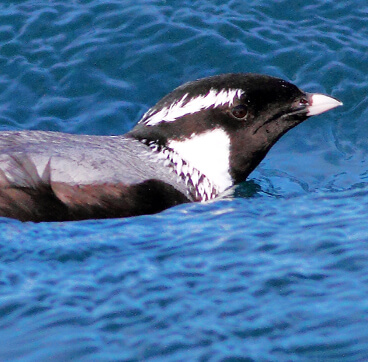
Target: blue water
[277, 273]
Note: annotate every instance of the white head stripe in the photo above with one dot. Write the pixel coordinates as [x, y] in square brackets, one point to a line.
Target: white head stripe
[183, 106]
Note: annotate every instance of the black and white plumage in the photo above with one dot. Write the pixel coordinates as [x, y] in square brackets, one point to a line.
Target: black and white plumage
[194, 144]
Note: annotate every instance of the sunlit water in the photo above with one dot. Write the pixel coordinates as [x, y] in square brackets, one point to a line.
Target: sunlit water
[277, 272]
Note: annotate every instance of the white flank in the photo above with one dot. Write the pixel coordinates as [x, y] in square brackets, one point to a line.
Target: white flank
[209, 153]
[183, 107]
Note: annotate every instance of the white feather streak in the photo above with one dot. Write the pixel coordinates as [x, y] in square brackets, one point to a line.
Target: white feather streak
[183, 107]
[209, 153]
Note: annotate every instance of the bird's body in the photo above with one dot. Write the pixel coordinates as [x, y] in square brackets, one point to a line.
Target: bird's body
[198, 141]
[50, 176]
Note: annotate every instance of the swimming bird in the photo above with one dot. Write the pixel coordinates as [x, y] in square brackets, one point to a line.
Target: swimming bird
[197, 142]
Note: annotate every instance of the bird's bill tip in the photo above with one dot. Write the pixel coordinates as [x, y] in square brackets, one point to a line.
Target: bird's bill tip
[320, 103]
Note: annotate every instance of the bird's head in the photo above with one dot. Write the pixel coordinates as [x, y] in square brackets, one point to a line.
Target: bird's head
[215, 131]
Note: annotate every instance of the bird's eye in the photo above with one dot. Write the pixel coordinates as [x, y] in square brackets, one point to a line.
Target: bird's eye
[239, 111]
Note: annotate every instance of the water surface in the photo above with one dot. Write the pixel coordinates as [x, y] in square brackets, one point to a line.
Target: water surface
[278, 272]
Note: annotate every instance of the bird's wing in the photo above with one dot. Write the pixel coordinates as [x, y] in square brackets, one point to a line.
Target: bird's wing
[83, 182]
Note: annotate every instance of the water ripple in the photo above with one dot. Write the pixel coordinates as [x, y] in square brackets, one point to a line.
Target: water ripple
[277, 272]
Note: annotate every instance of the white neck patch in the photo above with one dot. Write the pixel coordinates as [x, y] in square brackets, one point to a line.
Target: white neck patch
[184, 106]
[209, 153]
